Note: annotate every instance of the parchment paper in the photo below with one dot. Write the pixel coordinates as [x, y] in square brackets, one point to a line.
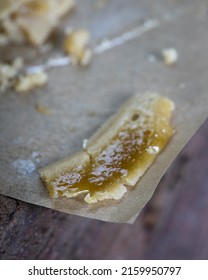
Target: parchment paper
[80, 100]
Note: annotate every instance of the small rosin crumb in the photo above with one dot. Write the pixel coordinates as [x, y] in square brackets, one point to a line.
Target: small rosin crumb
[170, 56]
[42, 109]
[76, 45]
[31, 21]
[9, 73]
[31, 81]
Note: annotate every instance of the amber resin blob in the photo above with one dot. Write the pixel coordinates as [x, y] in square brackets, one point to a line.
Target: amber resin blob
[117, 155]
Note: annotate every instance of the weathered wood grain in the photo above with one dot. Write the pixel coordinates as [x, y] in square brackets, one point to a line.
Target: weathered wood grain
[182, 227]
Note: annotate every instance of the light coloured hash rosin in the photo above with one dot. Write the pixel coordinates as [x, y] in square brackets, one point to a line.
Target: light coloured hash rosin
[117, 155]
[22, 21]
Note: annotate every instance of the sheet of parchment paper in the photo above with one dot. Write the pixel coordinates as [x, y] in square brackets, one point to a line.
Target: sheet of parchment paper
[80, 100]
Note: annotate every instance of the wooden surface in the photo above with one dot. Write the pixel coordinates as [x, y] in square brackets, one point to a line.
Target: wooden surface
[172, 226]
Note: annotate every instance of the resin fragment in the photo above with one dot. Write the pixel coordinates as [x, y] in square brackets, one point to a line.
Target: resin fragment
[117, 155]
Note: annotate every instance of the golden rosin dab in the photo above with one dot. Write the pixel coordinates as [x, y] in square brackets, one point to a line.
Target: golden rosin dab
[117, 155]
